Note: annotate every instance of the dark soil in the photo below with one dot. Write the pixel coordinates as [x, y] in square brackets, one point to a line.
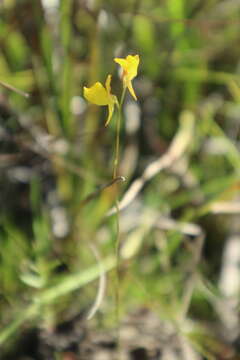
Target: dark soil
[143, 336]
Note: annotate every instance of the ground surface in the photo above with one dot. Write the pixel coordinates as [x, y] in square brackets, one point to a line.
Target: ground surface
[143, 337]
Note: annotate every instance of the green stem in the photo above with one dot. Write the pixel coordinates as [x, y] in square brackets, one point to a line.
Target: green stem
[117, 244]
[117, 142]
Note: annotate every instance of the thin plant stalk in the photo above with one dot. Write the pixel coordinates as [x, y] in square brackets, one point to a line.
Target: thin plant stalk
[117, 243]
[117, 143]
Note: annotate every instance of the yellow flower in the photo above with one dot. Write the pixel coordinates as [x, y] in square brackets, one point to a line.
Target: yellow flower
[130, 67]
[100, 95]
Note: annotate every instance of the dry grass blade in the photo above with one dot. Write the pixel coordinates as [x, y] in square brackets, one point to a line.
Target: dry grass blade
[177, 149]
[12, 88]
[101, 286]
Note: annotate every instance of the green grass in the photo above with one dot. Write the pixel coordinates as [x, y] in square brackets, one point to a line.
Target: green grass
[55, 151]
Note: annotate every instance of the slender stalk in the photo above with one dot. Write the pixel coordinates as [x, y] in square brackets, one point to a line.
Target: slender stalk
[117, 142]
[117, 244]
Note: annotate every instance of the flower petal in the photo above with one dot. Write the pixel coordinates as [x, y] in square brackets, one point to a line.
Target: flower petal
[96, 94]
[108, 84]
[100, 95]
[129, 65]
[122, 62]
[110, 112]
[131, 90]
[132, 67]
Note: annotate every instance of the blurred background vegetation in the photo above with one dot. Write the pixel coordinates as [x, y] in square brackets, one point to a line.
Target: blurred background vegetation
[180, 232]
